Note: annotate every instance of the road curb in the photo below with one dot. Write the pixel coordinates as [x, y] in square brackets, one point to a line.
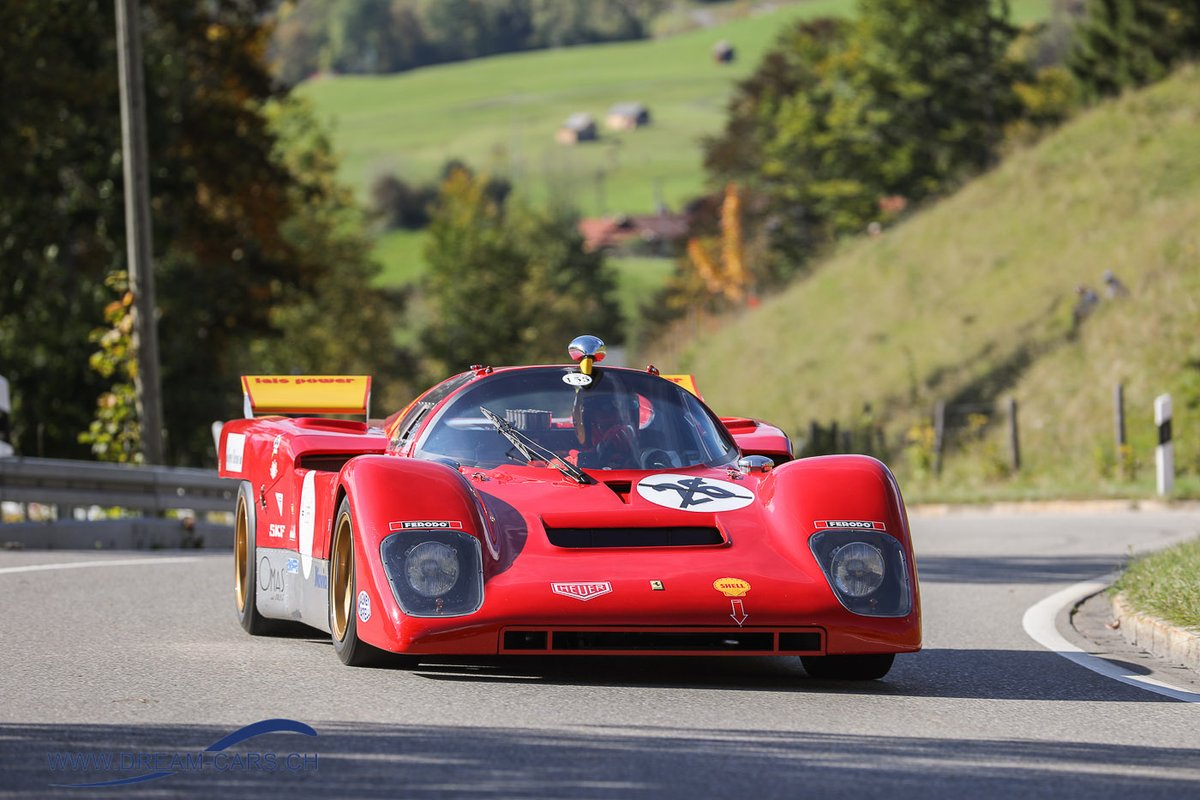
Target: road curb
[1155, 635]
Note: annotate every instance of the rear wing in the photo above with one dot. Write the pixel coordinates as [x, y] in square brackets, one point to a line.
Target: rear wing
[306, 394]
[686, 381]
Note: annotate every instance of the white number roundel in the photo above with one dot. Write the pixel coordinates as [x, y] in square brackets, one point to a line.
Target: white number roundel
[694, 493]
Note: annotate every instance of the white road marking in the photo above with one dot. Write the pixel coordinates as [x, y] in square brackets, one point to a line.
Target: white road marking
[1039, 624]
[114, 562]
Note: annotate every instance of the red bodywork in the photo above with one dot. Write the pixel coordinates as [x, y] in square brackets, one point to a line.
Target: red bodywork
[542, 597]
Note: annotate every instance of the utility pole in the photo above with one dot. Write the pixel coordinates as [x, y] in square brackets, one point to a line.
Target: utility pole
[147, 383]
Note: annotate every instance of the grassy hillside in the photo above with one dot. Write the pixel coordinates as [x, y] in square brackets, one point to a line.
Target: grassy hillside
[971, 302]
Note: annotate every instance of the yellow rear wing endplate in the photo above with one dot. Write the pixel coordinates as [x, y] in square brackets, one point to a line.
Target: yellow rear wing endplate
[686, 381]
[306, 394]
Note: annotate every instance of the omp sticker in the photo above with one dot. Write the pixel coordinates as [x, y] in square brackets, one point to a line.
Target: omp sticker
[732, 587]
[364, 606]
[582, 590]
[235, 446]
[690, 493]
[279, 502]
[424, 523]
[293, 565]
[308, 520]
[275, 530]
[577, 379]
[849, 523]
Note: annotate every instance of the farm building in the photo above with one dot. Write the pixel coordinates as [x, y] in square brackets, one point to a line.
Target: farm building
[627, 116]
[660, 234]
[579, 127]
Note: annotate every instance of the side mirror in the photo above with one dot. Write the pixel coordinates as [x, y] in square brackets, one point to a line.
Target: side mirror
[760, 464]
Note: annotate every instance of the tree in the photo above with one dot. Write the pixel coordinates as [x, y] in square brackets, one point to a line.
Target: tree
[508, 283]
[243, 235]
[1128, 43]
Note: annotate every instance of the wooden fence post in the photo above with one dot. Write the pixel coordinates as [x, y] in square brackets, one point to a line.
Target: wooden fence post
[1014, 442]
[939, 435]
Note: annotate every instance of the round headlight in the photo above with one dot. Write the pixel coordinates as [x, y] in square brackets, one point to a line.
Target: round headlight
[431, 568]
[857, 569]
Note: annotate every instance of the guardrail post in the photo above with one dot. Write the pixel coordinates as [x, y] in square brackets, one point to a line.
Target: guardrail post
[1164, 454]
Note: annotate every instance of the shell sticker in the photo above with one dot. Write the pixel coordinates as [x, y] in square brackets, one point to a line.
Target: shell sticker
[732, 587]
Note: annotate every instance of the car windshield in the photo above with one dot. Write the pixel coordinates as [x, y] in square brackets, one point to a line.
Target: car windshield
[622, 420]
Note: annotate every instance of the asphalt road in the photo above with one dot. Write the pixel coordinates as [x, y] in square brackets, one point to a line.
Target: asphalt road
[141, 658]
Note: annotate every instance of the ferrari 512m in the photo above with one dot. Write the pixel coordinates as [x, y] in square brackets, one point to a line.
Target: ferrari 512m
[559, 510]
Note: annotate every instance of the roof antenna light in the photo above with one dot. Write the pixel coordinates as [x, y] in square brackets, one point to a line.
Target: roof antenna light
[586, 350]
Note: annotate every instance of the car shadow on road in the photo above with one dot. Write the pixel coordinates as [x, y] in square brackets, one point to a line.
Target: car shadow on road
[939, 672]
[415, 761]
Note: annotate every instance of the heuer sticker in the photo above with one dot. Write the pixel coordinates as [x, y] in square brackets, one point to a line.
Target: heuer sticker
[235, 446]
[577, 379]
[849, 523]
[275, 530]
[364, 606]
[732, 587]
[582, 590]
[692, 493]
[293, 565]
[424, 523]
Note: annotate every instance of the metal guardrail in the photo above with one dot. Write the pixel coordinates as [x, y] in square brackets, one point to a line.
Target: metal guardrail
[85, 483]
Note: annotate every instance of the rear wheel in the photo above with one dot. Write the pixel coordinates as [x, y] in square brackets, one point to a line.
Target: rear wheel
[849, 668]
[343, 591]
[245, 565]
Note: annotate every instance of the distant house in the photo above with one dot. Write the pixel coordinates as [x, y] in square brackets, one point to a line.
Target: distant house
[579, 127]
[723, 52]
[655, 233]
[627, 116]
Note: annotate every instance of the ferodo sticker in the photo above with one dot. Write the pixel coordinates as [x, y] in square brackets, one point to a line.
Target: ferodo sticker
[364, 606]
[691, 493]
[235, 446]
[409, 524]
[849, 523]
[582, 590]
[732, 587]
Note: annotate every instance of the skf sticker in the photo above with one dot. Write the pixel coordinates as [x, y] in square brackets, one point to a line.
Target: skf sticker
[582, 590]
[275, 531]
[691, 493]
[409, 524]
[732, 587]
[849, 523]
[577, 379]
[364, 606]
[235, 446]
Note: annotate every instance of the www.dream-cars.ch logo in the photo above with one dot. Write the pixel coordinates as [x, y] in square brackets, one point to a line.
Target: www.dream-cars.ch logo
[153, 766]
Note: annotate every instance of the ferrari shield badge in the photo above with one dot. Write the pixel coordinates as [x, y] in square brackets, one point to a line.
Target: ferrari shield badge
[692, 493]
[582, 590]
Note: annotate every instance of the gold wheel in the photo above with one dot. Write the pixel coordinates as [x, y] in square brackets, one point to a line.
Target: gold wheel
[241, 556]
[341, 600]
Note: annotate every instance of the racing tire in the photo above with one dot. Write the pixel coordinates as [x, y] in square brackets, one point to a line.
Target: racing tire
[869, 667]
[343, 589]
[245, 565]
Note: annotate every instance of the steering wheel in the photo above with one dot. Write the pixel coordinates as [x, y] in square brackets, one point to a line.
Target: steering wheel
[617, 447]
[656, 458]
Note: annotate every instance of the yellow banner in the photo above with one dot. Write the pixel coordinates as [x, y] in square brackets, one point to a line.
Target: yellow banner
[307, 394]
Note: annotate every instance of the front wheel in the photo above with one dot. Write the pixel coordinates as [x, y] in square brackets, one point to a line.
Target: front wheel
[869, 667]
[343, 591]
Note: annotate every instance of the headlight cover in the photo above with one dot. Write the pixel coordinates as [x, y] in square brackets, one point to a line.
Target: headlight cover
[866, 570]
[434, 573]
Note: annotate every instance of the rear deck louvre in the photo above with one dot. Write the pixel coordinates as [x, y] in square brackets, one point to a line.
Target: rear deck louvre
[679, 536]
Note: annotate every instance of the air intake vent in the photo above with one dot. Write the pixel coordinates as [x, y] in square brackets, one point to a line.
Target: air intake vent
[702, 641]
[635, 537]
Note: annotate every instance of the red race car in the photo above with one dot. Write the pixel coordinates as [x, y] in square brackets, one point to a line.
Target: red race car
[558, 510]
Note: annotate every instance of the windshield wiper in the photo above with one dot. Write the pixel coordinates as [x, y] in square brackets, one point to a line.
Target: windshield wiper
[534, 451]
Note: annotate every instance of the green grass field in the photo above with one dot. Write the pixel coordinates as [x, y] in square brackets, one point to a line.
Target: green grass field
[971, 301]
[1166, 585]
